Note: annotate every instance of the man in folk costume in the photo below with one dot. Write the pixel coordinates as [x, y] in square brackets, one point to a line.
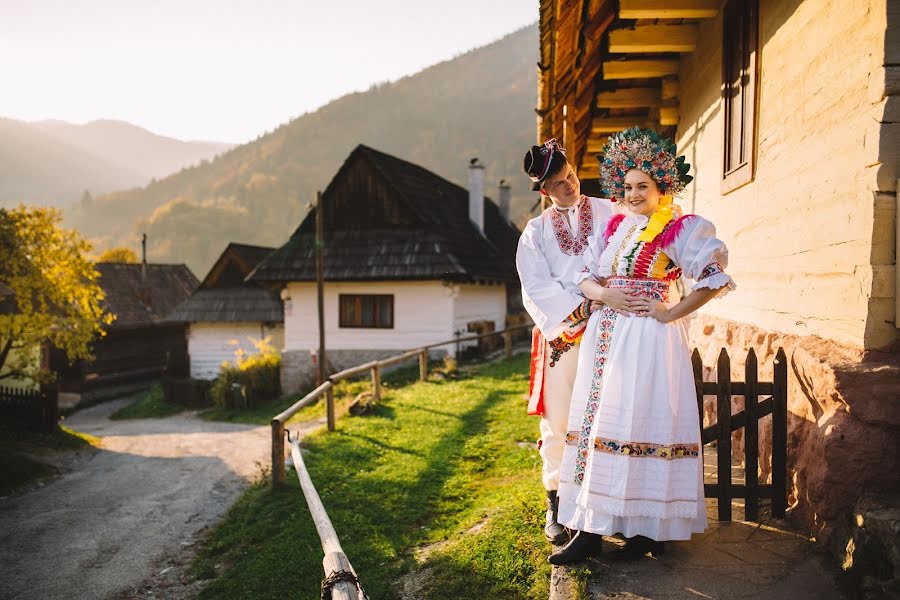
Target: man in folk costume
[548, 260]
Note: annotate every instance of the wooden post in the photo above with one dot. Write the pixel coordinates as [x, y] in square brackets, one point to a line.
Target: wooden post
[51, 408]
[277, 452]
[376, 384]
[507, 343]
[329, 400]
[423, 365]
[779, 435]
[751, 439]
[320, 285]
[723, 446]
[697, 363]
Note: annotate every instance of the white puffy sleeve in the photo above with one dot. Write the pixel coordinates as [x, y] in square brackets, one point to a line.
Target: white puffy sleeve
[545, 299]
[701, 255]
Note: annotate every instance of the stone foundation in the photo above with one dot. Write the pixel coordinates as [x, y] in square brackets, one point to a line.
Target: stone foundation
[843, 419]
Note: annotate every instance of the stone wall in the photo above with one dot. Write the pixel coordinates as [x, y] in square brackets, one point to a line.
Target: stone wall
[843, 418]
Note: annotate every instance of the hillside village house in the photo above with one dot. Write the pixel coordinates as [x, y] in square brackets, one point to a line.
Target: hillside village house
[139, 343]
[409, 259]
[226, 313]
[788, 112]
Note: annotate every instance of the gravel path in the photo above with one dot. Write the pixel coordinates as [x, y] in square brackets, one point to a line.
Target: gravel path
[106, 526]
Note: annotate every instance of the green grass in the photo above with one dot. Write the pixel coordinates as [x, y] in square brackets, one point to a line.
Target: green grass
[18, 465]
[450, 462]
[152, 405]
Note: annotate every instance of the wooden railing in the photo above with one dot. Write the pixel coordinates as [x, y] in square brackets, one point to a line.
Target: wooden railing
[340, 578]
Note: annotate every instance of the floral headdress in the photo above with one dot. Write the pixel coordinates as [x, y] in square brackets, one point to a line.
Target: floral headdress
[648, 151]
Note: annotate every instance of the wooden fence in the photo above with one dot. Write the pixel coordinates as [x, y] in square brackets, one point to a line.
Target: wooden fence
[37, 410]
[726, 423]
[341, 582]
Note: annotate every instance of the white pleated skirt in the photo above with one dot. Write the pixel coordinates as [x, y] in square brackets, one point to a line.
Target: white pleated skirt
[633, 461]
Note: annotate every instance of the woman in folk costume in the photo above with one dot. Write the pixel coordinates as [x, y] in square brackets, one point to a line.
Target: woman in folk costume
[548, 259]
[633, 462]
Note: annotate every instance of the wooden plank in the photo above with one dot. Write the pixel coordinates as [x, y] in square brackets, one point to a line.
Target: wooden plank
[738, 419]
[668, 115]
[654, 38]
[423, 365]
[310, 398]
[723, 444]
[779, 436]
[335, 562]
[639, 69]
[669, 89]
[277, 452]
[329, 399]
[668, 9]
[507, 344]
[602, 125]
[352, 371]
[751, 439]
[629, 98]
[738, 490]
[697, 364]
[376, 383]
[763, 388]
[595, 145]
[392, 360]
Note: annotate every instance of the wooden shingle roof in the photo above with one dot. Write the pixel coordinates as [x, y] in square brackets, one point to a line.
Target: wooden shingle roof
[225, 296]
[139, 300]
[388, 219]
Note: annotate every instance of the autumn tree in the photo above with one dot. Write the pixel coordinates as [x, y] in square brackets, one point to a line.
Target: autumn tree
[118, 255]
[57, 297]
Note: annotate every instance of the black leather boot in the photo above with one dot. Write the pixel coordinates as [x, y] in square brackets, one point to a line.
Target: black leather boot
[553, 531]
[636, 547]
[581, 546]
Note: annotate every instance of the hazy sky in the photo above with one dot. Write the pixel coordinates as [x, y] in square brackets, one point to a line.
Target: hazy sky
[224, 70]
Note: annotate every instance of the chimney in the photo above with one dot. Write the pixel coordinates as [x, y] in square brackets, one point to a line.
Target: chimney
[504, 198]
[476, 194]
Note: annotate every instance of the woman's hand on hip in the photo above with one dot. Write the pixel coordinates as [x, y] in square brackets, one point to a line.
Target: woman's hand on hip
[621, 302]
[648, 307]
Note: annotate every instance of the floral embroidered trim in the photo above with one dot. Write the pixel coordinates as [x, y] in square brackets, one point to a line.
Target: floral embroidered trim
[582, 312]
[575, 323]
[615, 262]
[607, 322]
[658, 289]
[713, 268]
[640, 449]
[651, 261]
[564, 236]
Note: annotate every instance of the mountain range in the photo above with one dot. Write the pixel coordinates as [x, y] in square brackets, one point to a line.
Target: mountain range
[57, 163]
[478, 104]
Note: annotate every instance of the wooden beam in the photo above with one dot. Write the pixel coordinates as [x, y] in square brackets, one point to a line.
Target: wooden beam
[639, 69]
[629, 98]
[668, 9]
[595, 145]
[654, 38]
[668, 115]
[615, 124]
[670, 89]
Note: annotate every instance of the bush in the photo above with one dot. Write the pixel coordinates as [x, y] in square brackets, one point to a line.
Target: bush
[251, 380]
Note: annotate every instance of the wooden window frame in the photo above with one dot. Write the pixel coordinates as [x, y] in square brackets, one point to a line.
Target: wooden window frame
[738, 13]
[343, 317]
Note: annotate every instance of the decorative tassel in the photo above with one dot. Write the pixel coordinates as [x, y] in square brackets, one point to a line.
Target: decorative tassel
[669, 235]
[611, 227]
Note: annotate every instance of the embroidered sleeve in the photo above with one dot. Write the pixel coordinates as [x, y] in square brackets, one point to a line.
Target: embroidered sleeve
[702, 256]
[575, 324]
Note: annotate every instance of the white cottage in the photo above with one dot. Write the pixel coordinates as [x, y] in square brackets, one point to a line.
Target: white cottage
[226, 313]
[410, 259]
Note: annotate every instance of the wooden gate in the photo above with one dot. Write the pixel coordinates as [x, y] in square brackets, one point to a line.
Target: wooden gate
[774, 403]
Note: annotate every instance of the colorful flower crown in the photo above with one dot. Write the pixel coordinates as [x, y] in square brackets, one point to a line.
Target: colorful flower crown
[648, 151]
